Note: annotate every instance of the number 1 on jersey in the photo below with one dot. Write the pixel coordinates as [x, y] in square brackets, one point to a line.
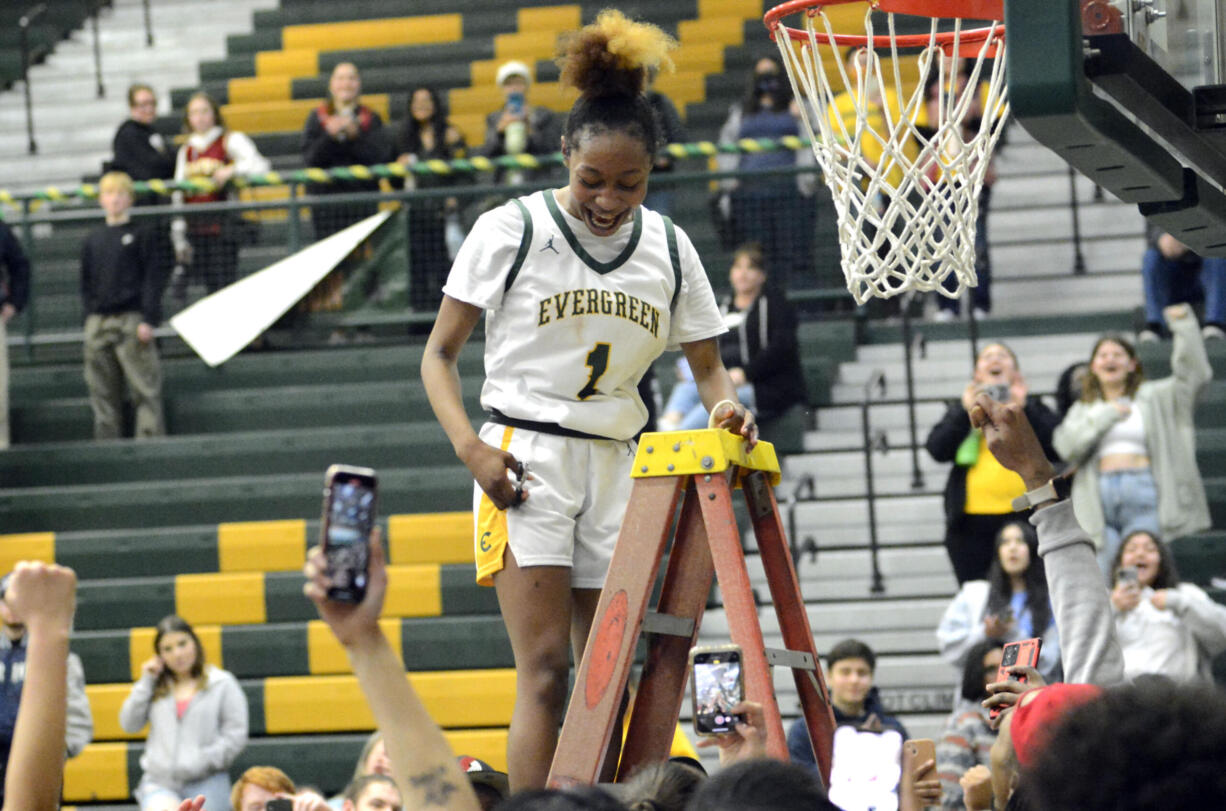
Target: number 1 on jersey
[598, 362]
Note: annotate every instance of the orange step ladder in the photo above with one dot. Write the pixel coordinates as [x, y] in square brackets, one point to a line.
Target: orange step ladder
[698, 470]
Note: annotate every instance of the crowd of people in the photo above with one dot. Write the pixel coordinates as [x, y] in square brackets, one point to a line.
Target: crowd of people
[1076, 555]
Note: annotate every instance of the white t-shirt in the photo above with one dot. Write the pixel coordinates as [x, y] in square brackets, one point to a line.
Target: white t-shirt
[574, 320]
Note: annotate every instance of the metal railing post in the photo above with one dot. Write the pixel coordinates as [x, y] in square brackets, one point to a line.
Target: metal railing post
[909, 344]
[97, 49]
[27, 237]
[295, 220]
[148, 25]
[24, 23]
[875, 380]
[972, 332]
[804, 489]
[1079, 260]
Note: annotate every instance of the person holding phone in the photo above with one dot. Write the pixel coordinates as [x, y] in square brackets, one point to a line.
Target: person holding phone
[518, 127]
[1011, 604]
[582, 288]
[1164, 626]
[979, 491]
[1134, 441]
[197, 716]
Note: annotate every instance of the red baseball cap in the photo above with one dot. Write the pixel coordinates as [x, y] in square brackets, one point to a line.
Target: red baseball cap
[1037, 711]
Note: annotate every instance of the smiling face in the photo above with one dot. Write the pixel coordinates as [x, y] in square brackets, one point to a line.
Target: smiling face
[1013, 552]
[1112, 364]
[179, 652]
[608, 180]
[421, 107]
[1141, 551]
[345, 85]
[995, 365]
[200, 115]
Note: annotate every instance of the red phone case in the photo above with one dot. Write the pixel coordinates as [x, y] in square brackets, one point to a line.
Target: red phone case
[1022, 652]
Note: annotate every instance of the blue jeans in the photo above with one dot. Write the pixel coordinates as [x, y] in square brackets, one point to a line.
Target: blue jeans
[215, 788]
[684, 399]
[1130, 503]
[1169, 281]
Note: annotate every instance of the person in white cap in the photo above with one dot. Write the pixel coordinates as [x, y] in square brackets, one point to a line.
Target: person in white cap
[518, 127]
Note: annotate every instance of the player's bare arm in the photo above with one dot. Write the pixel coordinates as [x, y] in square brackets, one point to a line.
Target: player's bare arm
[488, 464]
[714, 385]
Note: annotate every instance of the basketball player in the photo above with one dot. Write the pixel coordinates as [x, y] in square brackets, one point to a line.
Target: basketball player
[583, 288]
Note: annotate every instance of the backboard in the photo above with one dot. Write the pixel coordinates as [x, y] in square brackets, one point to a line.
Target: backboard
[1132, 93]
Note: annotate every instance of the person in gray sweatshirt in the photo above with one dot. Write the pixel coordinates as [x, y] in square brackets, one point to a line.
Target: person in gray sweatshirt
[197, 716]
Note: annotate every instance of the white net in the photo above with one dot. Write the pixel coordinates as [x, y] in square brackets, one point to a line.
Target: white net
[904, 141]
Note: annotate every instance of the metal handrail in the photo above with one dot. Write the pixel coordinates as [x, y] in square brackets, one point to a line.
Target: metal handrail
[909, 344]
[29, 18]
[804, 489]
[876, 380]
[93, 20]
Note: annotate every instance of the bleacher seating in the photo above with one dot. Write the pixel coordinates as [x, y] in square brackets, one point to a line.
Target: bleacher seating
[213, 521]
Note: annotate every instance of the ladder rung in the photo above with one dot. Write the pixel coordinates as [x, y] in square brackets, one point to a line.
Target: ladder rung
[795, 659]
[668, 624]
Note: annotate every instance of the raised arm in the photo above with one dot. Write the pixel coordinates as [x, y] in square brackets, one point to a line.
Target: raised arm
[43, 596]
[1189, 360]
[423, 764]
[1090, 651]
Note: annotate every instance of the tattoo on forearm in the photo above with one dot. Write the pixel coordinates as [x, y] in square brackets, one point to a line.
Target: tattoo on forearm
[434, 785]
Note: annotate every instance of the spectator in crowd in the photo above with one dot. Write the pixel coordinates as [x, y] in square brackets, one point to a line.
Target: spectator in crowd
[374, 792]
[44, 596]
[666, 786]
[1152, 744]
[867, 740]
[955, 92]
[561, 401]
[661, 198]
[422, 761]
[1070, 386]
[518, 127]
[762, 784]
[1171, 273]
[14, 654]
[208, 243]
[121, 294]
[1134, 442]
[372, 760]
[1011, 604]
[968, 735]
[775, 210]
[259, 784]
[140, 151]
[342, 131]
[1090, 653]
[979, 492]
[428, 135]
[759, 350]
[490, 785]
[14, 292]
[1164, 626]
[197, 716]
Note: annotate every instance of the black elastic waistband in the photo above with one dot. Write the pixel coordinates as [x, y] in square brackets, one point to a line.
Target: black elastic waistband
[498, 417]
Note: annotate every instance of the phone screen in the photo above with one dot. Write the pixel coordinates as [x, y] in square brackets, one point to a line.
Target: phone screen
[515, 102]
[1127, 576]
[1023, 652]
[718, 687]
[349, 516]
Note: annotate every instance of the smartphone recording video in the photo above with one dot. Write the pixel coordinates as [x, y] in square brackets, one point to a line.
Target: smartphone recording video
[719, 685]
[348, 517]
[1127, 576]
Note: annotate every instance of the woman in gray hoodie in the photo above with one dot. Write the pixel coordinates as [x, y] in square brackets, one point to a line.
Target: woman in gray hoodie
[197, 716]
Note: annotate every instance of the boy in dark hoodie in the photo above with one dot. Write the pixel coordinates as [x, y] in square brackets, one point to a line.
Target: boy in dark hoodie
[867, 741]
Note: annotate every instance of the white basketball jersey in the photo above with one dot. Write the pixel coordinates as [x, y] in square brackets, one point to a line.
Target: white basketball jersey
[567, 335]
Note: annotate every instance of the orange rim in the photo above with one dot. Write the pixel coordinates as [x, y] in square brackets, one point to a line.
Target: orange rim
[946, 9]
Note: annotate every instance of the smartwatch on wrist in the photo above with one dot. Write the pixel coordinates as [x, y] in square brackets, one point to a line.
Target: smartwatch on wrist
[1057, 489]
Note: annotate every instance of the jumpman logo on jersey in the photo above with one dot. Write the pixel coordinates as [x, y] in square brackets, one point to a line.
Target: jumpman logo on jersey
[549, 246]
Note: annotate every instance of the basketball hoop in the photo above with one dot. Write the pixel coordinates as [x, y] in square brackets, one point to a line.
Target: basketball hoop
[905, 167]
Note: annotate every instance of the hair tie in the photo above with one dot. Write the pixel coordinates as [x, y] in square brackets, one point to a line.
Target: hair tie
[711, 419]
